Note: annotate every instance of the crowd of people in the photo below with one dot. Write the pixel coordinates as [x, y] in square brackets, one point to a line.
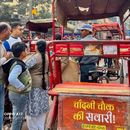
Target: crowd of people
[25, 77]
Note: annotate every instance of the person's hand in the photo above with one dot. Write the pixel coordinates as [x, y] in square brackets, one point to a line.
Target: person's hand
[8, 55]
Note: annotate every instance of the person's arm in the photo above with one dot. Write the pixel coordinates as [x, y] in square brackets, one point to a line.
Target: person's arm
[13, 77]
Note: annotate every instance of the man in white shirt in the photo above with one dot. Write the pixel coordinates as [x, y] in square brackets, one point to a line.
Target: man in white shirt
[17, 31]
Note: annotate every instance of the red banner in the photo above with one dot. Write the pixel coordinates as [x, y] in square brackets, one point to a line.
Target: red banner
[87, 113]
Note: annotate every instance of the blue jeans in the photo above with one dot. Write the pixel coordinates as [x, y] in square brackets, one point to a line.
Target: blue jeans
[19, 105]
[1, 105]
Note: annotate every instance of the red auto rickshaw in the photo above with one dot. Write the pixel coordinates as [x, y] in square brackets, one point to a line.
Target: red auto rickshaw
[113, 31]
[87, 106]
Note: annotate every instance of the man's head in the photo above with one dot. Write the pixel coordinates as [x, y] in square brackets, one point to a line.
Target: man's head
[19, 50]
[86, 30]
[5, 31]
[17, 29]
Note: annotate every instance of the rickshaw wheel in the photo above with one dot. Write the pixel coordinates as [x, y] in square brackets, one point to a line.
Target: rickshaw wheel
[103, 79]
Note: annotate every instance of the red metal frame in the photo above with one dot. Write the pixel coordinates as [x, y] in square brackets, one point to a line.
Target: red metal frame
[61, 30]
[52, 115]
[57, 49]
[75, 48]
[122, 21]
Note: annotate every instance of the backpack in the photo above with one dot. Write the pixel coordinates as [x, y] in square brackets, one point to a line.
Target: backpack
[6, 46]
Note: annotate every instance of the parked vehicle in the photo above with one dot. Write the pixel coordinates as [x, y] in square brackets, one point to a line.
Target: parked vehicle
[113, 70]
[89, 106]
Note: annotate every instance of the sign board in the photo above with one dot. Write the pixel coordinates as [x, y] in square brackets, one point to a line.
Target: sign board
[89, 113]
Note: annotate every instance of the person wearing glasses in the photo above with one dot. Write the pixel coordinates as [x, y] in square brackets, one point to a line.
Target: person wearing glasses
[16, 33]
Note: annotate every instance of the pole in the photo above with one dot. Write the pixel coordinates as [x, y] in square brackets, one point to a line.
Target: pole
[30, 9]
[53, 20]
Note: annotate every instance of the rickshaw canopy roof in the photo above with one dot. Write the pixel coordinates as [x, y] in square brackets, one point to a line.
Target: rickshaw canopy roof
[114, 28]
[40, 25]
[90, 9]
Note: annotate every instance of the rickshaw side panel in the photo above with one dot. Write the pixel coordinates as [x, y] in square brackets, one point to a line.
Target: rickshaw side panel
[92, 113]
[91, 106]
[79, 104]
[67, 48]
[77, 48]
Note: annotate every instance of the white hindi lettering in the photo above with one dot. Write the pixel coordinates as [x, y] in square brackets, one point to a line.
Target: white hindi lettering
[102, 118]
[109, 117]
[89, 116]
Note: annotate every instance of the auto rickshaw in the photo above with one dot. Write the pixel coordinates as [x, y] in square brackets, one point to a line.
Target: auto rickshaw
[41, 27]
[113, 29]
[115, 69]
[88, 106]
